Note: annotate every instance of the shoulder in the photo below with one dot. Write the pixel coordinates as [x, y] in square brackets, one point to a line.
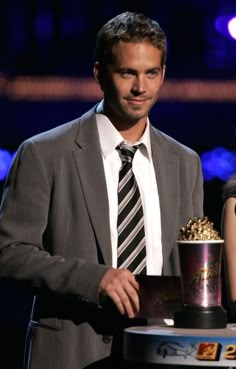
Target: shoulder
[173, 146]
[61, 136]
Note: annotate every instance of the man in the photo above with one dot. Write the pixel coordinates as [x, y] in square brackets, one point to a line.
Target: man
[60, 209]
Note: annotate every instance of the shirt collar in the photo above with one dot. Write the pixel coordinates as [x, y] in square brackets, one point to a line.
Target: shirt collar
[110, 138]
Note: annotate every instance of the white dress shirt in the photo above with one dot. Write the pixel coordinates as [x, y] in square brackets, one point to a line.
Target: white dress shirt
[144, 172]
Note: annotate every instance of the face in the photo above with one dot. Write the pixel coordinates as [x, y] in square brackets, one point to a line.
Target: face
[131, 83]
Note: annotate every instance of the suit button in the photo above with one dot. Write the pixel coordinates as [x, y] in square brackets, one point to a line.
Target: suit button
[106, 339]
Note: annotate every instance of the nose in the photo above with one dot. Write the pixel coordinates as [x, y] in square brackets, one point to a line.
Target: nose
[139, 85]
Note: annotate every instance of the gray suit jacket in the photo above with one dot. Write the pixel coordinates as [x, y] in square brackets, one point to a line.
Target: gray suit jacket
[55, 236]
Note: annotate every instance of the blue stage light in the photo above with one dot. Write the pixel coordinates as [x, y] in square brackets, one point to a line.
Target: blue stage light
[218, 163]
[5, 161]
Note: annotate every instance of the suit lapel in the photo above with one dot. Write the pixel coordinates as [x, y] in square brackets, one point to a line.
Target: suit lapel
[167, 173]
[92, 176]
[90, 169]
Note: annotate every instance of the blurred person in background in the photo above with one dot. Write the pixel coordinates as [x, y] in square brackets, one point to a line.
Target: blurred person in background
[60, 208]
[229, 236]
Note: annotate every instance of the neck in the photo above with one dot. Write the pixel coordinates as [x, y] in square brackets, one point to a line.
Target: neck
[131, 133]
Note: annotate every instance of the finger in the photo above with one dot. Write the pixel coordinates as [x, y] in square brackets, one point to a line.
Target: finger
[132, 306]
[125, 297]
[133, 292]
[129, 298]
[124, 304]
[118, 302]
[121, 286]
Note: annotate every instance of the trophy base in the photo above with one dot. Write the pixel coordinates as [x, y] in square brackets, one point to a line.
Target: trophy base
[200, 317]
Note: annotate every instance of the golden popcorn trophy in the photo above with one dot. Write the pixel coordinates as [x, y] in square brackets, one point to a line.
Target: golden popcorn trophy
[200, 254]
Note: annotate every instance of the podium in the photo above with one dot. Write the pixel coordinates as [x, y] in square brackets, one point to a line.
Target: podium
[156, 344]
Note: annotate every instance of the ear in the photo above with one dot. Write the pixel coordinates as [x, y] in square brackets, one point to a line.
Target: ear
[98, 74]
[163, 73]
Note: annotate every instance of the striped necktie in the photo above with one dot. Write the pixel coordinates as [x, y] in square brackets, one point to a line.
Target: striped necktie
[130, 223]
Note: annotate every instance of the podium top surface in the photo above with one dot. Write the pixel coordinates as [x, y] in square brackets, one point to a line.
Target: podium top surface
[229, 331]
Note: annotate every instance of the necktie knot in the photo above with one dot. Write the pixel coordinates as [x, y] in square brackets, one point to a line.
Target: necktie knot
[126, 152]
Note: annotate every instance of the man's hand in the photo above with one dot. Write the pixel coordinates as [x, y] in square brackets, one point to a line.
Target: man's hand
[121, 286]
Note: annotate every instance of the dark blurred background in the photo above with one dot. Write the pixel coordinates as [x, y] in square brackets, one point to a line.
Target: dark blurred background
[46, 79]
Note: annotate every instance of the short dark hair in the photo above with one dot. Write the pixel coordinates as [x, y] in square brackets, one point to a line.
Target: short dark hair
[229, 188]
[129, 27]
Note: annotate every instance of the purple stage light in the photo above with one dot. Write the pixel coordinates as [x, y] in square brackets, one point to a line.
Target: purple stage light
[232, 27]
[221, 24]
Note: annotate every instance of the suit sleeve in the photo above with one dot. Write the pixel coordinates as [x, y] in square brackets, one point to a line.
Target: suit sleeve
[23, 221]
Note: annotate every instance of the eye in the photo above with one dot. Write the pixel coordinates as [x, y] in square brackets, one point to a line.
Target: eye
[153, 73]
[126, 73]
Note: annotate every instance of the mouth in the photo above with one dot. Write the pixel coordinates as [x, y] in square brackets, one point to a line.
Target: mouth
[135, 101]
